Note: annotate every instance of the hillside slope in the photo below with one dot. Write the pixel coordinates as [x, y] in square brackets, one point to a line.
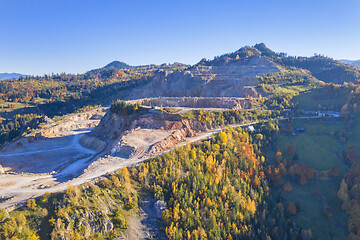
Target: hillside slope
[323, 68]
[230, 77]
[235, 74]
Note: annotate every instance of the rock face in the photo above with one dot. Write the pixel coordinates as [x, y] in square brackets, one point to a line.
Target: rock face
[228, 79]
[111, 126]
[93, 143]
[198, 102]
[130, 136]
[167, 121]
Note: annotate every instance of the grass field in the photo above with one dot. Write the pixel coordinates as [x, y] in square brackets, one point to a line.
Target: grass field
[355, 134]
[10, 109]
[321, 99]
[319, 208]
[317, 146]
[291, 89]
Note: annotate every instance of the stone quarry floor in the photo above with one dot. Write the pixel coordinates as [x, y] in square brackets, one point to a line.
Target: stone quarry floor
[47, 155]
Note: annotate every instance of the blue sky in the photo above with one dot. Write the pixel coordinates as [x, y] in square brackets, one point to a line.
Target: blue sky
[73, 36]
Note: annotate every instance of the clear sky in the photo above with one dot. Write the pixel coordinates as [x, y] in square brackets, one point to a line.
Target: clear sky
[73, 36]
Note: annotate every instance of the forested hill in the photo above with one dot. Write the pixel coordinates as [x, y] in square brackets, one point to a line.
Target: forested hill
[323, 68]
[118, 65]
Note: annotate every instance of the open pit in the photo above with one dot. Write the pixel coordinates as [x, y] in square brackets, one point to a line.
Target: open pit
[228, 79]
[213, 103]
[53, 147]
[80, 147]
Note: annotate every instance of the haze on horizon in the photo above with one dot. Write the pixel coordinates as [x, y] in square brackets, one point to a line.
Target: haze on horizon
[41, 36]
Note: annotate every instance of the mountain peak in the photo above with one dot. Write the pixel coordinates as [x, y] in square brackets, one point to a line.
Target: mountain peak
[117, 65]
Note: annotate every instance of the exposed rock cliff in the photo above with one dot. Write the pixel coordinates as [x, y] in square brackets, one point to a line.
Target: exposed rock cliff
[225, 79]
[130, 136]
[199, 102]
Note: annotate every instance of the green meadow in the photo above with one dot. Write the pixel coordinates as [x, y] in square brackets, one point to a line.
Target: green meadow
[319, 208]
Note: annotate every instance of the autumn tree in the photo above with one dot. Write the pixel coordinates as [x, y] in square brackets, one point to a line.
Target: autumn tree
[292, 208]
[278, 156]
[31, 204]
[287, 187]
[291, 150]
[223, 137]
[352, 154]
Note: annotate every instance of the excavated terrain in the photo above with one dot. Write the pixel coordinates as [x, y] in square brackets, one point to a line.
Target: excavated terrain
[196, 102]
[50, 148]
[154, 133]
[79, 147]
[230, 79]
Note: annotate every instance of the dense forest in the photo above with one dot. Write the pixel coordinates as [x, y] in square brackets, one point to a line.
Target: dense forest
[218, 189]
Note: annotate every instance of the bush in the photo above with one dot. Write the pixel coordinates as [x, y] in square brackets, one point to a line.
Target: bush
[122, 108]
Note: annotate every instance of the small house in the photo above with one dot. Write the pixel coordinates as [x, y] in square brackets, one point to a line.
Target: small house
[299, 129]
[251, 128]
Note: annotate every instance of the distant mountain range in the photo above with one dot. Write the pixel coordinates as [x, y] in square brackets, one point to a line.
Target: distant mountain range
[7, 76]
[355, 63]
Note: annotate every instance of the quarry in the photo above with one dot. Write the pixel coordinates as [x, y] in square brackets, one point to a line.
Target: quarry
[211, 103]
[227, 79]
[80, 147]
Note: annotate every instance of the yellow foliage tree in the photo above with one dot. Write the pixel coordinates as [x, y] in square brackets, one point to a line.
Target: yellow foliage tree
[34, 237]
[125, 174]
[223, 137]
[251, 206]
[31, 204]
